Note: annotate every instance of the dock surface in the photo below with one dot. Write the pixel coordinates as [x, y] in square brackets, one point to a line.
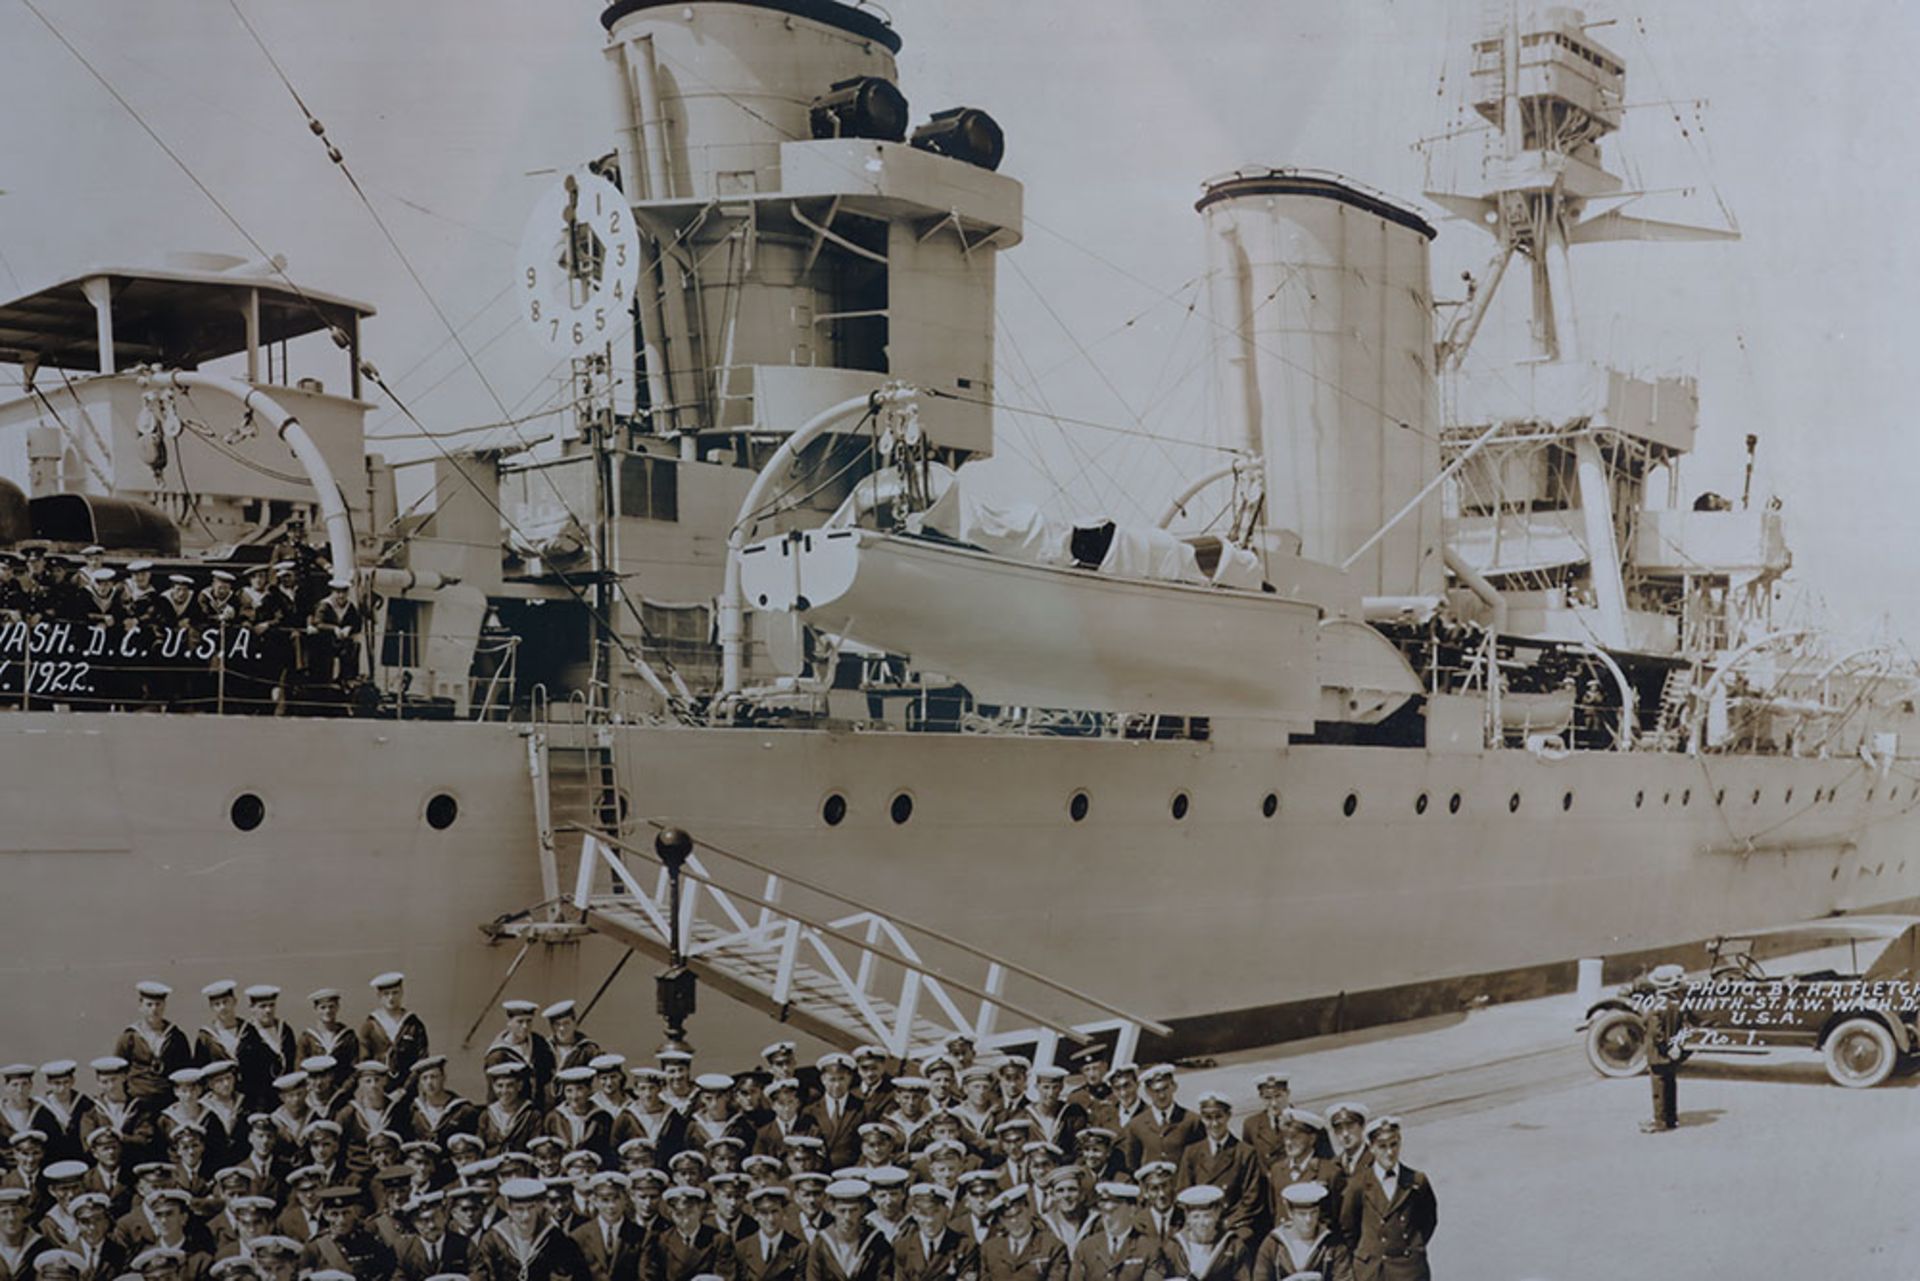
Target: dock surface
[1541, 1171]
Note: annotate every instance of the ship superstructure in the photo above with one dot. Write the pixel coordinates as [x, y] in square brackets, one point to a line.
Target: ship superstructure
[1440, 675]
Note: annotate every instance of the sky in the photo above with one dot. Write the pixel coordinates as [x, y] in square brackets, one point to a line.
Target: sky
[454, 113]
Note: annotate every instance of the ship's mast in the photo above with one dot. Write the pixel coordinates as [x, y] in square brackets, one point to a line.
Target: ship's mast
[1588, 434]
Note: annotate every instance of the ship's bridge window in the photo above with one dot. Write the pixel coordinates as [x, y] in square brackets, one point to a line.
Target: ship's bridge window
[649, 487]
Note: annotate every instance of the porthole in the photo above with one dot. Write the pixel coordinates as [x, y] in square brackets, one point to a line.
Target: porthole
[1513, 803]
[834, 809]
[1756, 796]
[1270, 805]
[248, 811]
[901, 809]
[1639, 799]
[1351, 805]
[1453, 803]
[1420, 803]
[442, 809]
[1566, 801]
[1077, 806]
[1180, 806]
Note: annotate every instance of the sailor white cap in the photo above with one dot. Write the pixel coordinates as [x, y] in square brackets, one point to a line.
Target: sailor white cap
[101, 574]
[392, 978]
[1155, 1169]
[65, 1171]
[93, 549]
[849, 1189]
[320, 1064]
[1200, 1195]
[139, 566]
[13, 1071]
[1386, 1122]
[58, 1262]
[776, 1049]
[219, 988]
[1157, 1072]
[1113, 1190]
[783, 1083]
[713, 1082]
[834, 1059]
[180, 580]
[766, 1190]
[1304, 1194]
[320, 994]
[1358, 1111]
[185, 1076]
[108, 1064]
[887, 1176]
[263, 992]
[1213, 1098]
[559, 1010]
[290, 1081]
[222, 576]
[930, 1190]
[519, 1009]
[523, 1189]
[340, 582]
[580, 1075]
[608, 1062]
[1303, 1119]
[684, 1192]
[152, 987]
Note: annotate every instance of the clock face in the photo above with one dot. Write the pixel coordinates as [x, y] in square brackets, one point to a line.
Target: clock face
[579, 260]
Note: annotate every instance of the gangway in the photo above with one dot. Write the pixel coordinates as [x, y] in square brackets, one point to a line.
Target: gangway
[844, 972]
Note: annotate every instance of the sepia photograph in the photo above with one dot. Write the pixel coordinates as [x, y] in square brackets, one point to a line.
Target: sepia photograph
[806, 640]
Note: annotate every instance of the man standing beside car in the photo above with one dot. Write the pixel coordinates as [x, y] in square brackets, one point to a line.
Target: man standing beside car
[1660, 1017]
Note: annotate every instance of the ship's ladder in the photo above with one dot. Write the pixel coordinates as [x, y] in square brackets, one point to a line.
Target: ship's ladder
[845, 972]
[574, 773]
[1676, 701]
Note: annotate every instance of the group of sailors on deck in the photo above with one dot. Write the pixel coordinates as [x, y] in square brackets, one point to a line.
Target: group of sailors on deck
[254, 1152]
[160, 636]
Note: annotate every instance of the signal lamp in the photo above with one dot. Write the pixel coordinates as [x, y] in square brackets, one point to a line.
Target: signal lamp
[964, 133]
[863, 107]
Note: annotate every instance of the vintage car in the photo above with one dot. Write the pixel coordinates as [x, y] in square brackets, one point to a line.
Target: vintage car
[1854, 1005]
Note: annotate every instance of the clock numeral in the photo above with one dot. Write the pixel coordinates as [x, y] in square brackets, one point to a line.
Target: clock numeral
[599, 319]
[578, 337]
[619, 291]
[532, 278]
[536, 310]
[620, 255]
[613, 223]
[596, 204]
[555, 331]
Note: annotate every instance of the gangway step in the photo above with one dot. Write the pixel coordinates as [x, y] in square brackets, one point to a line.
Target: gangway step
[863, 976]
[816, 1003]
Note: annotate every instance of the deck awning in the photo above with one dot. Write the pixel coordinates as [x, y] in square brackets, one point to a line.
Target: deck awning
[178, 318]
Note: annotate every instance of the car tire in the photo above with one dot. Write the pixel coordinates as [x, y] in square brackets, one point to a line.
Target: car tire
[1617, 1043]
[1860, 1054]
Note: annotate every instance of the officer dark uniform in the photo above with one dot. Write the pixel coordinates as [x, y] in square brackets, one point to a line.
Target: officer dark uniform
[1660, 1017]
[1163, 1130]
[347, 1245]
[1388, 1223]
[1231, 1165]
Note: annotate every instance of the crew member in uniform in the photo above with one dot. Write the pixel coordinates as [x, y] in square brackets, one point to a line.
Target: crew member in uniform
[517, 1042]
[431, 1248]
[392, 1033]
[1302, 1241]
[347, 1244]
[570, 1048]
[1021, 1250]
[1201, 1250]
[278, 1046]
[1388, 1213]
[1660, 1018]
[1299, 1160]
[61, 1113]
[335, 625]
[774, 1251]
[836, 1115]
[1164, 1129]
[1347, 1125]
[1229, 1164]
[152, 1046]
[1117, 1248]
[328, 1035]
[849, 1248]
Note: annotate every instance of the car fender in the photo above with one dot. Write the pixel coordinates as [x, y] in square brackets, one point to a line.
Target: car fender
[1598, 1008]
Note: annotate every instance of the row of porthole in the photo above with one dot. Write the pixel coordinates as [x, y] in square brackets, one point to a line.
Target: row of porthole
[834, 809]
[248, 811]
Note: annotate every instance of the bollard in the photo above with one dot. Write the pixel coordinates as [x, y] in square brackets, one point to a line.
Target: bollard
[1588, 987]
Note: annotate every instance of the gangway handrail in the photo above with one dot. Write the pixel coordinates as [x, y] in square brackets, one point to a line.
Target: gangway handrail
[581, 901]
[1147, 1024]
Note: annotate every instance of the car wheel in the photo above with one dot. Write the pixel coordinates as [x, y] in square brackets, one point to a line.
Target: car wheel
[1860, 1054]
[1617, 1043]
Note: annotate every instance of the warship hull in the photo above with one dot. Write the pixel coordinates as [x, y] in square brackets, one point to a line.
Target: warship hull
[1370, 893]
